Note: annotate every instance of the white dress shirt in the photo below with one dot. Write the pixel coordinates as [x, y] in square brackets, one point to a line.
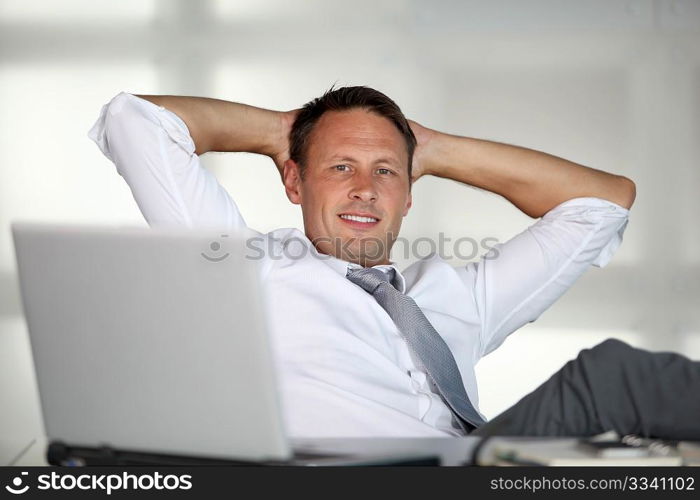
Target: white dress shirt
[344, 369]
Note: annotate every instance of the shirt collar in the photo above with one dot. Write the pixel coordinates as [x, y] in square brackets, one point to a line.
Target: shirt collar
[342, 266]
[398, 282]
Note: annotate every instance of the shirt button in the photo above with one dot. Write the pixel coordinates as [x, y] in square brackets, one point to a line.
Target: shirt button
[417, 376]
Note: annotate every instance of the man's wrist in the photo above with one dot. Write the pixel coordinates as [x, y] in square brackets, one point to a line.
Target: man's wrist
[432, 155]
[423, 156]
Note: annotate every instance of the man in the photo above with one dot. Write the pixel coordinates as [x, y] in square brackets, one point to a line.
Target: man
[362, 348]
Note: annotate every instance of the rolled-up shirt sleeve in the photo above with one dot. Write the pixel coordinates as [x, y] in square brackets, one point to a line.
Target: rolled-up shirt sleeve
[516, 281]
[153, 151]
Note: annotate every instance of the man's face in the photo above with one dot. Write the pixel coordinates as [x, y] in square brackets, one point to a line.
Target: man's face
[356, 166]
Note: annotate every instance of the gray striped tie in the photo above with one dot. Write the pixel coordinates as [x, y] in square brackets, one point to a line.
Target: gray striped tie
[424, 342]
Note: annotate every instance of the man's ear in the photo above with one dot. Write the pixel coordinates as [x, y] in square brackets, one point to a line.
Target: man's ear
[409, 204]
[292, 181]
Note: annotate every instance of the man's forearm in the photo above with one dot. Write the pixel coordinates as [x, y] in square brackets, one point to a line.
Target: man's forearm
[533, 181]
[217, 125]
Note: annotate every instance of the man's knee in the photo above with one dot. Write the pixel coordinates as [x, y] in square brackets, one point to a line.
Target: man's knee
[609, 351]
[612, 345]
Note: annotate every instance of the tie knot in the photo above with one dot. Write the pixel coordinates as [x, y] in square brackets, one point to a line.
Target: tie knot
[369, 278]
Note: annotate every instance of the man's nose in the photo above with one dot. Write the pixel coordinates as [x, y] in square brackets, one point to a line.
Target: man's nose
[363, 189]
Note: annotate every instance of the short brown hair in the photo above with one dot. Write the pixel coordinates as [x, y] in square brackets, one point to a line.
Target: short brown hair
[344, 99]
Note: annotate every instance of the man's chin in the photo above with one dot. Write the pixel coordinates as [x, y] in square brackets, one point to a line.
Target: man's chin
[365, 252]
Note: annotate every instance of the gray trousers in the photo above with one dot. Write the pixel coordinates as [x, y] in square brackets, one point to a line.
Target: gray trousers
[612, 386]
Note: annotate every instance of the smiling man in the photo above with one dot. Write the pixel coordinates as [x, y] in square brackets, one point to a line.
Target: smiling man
[351, 175]
[362, 347]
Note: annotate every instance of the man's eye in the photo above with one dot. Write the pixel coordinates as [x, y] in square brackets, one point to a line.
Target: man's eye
[384, 171]
[341, 168]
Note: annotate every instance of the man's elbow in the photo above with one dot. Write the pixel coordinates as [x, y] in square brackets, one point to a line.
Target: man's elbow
[627, 192]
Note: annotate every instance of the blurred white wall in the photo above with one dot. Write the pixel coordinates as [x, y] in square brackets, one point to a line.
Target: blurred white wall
[611, 84]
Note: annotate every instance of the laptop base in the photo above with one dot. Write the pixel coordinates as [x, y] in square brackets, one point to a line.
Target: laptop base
[61, 454]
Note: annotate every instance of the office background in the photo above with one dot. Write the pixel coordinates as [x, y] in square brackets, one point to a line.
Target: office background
[611, 84]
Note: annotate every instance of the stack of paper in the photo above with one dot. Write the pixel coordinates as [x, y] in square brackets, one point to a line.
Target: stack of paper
[566, 452]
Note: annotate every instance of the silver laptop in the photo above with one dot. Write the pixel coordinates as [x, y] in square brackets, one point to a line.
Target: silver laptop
[150, 340]
[152, 344]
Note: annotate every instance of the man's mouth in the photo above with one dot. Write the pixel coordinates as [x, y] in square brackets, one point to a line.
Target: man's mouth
[359, 221]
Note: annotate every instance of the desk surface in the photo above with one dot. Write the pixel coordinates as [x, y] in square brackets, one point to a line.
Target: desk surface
[452, 451]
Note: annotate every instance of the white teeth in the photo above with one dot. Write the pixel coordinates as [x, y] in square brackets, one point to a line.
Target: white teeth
[358, 218]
